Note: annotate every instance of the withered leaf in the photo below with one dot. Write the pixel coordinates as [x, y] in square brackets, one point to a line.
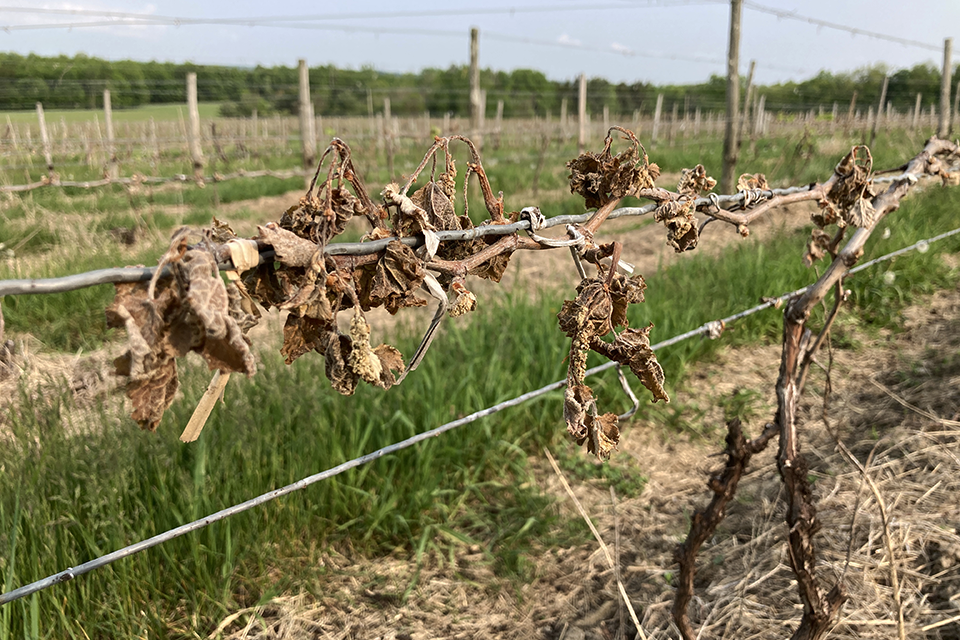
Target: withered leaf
[632, 348]
[861, 213]
[363, 361]
[494, 268]
[410, 218]
[391, 363]
[189, 312]
[817, 247]
[336, 349]
[576, 398]
[392, 280]
[302, 334]
[623, 292]
[433, 199]
[604, 434]
[847, 201]
[749, 181]
[601, 177]
[695, 181]
[681, 224]
[291, 249]
[589, 314]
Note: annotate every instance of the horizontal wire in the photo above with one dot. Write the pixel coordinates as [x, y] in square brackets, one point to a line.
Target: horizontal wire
[73, 572]
[141, 274]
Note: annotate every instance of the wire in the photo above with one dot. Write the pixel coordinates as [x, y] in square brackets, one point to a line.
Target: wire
[793, 15]
[141, 274]
[708, 328]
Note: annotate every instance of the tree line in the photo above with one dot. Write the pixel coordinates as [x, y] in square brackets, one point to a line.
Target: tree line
[78, 82]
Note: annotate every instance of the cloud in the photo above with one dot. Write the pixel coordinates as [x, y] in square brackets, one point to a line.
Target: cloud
[620, 48]
[565, 39]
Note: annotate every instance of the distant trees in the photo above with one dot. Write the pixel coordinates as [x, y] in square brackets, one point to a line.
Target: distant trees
[79, 81]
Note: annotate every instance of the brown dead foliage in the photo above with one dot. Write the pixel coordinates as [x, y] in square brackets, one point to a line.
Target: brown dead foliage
[602, 177]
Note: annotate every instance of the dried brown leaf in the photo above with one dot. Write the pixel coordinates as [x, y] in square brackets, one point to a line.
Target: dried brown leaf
[291, 249]
[632, 348]
[817, 247]
[750, 181]
[336, 349]
[604, 434]
[576, 398]
[695, 181]
[681, 224]
[392, 280]
[602, 177]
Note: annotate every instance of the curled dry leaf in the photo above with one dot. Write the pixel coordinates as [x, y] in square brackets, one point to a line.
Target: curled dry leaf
[600, 306]
[750, 181]
[848, 201]
[632, 348]
[817, 247]
[681, 224]
[410, 218]
[695, 181]
[190, 312]
[392, 280]
[602, 177]
[465, 303]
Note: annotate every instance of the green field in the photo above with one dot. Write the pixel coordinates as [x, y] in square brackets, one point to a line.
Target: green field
[79, 479]
[159, 112]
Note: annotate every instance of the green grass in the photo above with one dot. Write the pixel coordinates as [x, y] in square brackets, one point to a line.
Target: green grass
[159, 112]
[65, 499]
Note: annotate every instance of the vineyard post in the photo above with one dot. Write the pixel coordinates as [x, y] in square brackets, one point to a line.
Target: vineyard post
[883, 100]
[671, 129]
[563, 119]
[943, 126]
[582, 114]
[193, 131]
[45, 140]
[387, 133]
[916, 111]
[475, 96]
[606, 118]
[656, 119]
[745, 116]
[308, 134]
[499, 128]
[730, 144]
[64, 136]
[113, 171]
[956, 104]
[696, 123]
[154, 147]
[833, 116]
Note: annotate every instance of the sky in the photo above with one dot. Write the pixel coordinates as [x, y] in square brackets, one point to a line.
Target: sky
[658, 41]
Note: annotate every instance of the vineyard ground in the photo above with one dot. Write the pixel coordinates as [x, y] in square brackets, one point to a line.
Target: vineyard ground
[745, 582]
[463, 588]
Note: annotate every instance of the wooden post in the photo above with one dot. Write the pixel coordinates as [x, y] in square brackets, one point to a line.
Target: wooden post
[193, 131]
[745, 116]
[113, 171]
[446, 123]
[563, 115]
[388, 134]
[582, 114]
[475, 97]
[45, 140]
[656, 119]
[761, 115]
[64, 136]
[730, 143]
[916, 111]
[943, 125]
[956, 103]
[154, 148]
[308, 132]
[883, 100]
[696, 123]
[833, 117]
[606, 119]
[499, 129]
[673, 123]
[852, 110]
